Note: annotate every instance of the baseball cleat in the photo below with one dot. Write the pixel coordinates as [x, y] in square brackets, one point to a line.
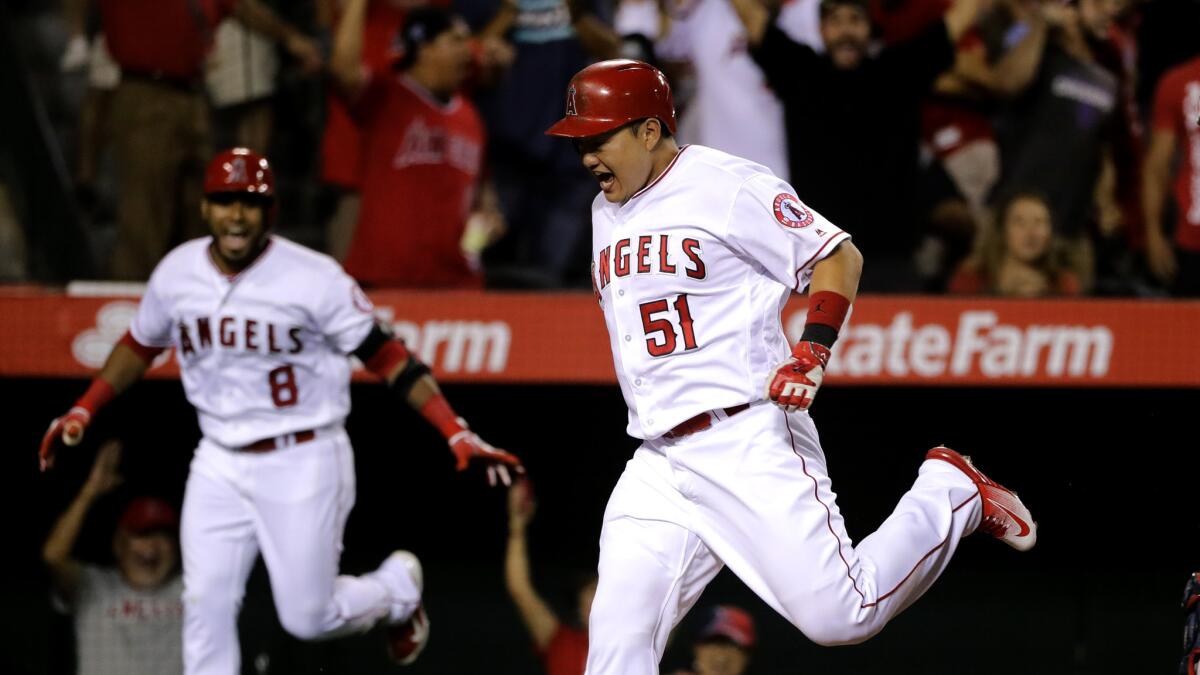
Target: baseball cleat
[407, 637]
[1005, 517]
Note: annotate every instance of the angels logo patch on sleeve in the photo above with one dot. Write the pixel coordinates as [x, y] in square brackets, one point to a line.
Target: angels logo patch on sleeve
[791, 212]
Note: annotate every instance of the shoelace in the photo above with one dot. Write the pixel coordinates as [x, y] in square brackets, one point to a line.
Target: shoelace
[994, 525]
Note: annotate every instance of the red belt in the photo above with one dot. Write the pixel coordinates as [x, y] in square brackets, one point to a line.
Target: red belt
[269, 444]
[701, 422]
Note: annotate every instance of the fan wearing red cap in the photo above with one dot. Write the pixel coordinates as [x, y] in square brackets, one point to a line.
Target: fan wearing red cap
[724, 645]
[127, 619]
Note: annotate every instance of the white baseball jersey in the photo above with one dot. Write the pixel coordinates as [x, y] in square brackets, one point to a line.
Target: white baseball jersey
[262, 353]
[692, 273]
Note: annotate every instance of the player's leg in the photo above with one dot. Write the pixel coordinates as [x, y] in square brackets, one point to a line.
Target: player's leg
[217, 541]
[305, 495]
[652, 570]
[775, 522]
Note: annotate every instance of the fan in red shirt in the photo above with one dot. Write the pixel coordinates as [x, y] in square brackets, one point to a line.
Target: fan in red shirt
[423, 149]
[1176, 127]
[561, 646]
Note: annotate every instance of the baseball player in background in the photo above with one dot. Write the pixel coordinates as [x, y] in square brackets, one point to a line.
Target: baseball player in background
[262, 329]
[695, 253]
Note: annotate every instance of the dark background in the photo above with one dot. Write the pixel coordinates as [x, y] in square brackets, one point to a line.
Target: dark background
[1109, 474]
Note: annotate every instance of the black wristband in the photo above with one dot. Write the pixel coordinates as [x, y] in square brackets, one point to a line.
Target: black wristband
[820, 334]
[407, 377]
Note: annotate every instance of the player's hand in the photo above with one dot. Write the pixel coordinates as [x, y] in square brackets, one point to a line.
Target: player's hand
[794, 384]
[67, 429]
[467, 445]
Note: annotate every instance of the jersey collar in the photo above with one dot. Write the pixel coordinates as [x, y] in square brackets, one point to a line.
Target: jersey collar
[661, 176]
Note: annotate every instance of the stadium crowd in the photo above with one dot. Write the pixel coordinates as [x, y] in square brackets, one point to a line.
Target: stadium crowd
[1007, 147]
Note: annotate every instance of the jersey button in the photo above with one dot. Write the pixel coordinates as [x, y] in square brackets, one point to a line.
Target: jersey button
[650, 422]
[627, 338]
[637, 382]
[621, 292]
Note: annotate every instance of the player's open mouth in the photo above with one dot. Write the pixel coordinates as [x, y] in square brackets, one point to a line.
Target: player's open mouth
[606, 180]
[235, 241]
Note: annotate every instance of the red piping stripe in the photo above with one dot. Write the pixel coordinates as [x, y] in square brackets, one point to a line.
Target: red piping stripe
[829, 525]
[828, 513]
[661, 175]
[814, 257]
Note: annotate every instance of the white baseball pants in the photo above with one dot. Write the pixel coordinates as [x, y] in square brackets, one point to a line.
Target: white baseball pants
[752, 492]
[291, 505]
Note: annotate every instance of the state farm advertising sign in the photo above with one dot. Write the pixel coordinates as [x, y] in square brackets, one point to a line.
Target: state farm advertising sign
[559, 338]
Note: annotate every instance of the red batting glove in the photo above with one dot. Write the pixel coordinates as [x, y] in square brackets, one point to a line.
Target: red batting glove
[794, 384]
[467, 445]
[68, 429]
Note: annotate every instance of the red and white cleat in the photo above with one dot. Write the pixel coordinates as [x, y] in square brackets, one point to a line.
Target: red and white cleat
[1005, 517]
[406, 638]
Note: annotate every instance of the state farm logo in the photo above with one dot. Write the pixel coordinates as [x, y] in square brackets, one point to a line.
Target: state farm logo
[455, 346]
[978, 345]
[91, 347]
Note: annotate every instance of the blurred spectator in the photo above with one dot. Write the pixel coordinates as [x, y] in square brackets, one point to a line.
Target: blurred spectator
[1056, 135]
[544, 196]
[240, 80]
[562, 648]
[424, 145]
[128, 620]
[1018, 257]
[1175, 152]
[852, 121]
[160, 119]
[103, 75]
[963, 160]
[705, 37]
[724, 645]
[341, 139]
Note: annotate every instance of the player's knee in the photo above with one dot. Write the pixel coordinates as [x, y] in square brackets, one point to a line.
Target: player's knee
[304, 623]
[834, 635]
[832, 628]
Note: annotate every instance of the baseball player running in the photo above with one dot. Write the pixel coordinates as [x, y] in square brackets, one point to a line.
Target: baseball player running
[262, 329]
[695, 253]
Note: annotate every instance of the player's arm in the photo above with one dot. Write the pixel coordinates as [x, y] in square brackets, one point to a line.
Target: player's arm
[126, 364]
[535, 613]
[832, 289]
[56, 552]
[412, 382]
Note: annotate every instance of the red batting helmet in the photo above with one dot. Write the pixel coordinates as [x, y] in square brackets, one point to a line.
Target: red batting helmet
[239, 170]
[609, 94]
